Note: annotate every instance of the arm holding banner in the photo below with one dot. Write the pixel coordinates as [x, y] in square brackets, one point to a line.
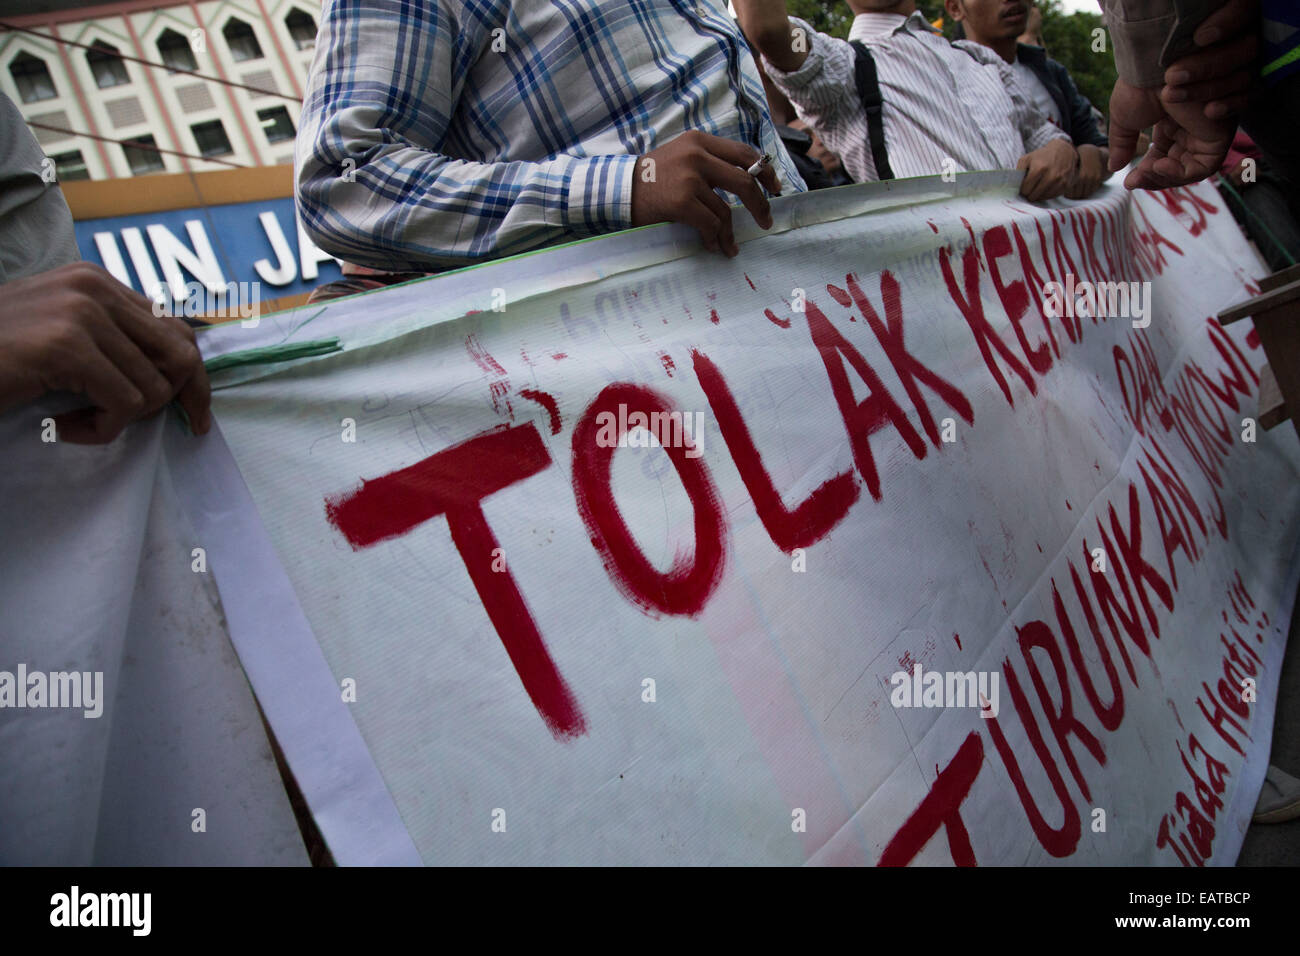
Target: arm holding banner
[1050, 162]
[378, 184]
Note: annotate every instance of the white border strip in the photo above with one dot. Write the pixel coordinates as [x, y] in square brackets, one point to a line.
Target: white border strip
[294, 685]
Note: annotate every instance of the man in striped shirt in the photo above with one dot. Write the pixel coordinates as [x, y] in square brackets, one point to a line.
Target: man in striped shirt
[443, 133]
[945, 108]
[997, 24]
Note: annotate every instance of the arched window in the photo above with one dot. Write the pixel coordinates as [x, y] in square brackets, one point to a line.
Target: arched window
[175, 51]
[32, 78]
[106, 65]
[242, 40]
[302, 28]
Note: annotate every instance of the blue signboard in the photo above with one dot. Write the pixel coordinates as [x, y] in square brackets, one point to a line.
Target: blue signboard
[240, 243]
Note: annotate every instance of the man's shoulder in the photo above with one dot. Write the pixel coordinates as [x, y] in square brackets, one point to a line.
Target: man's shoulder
[980, 54]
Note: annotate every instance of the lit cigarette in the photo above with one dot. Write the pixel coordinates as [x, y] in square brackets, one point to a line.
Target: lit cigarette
[759, 166]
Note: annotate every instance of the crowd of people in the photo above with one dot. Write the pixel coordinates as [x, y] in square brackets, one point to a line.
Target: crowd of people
[439, 134]
[473, 138]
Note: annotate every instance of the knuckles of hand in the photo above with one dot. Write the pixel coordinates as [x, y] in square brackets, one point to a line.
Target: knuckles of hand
[87, 277]
[65, 341]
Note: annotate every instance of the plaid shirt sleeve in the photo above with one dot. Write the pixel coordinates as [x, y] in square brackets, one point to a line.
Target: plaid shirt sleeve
[373, 186]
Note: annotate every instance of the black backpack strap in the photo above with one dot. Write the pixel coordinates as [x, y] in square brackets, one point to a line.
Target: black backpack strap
[864, 75]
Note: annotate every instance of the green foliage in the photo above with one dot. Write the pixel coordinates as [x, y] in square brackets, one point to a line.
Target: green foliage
[831, 18]
[1068, 38]
[932, 10]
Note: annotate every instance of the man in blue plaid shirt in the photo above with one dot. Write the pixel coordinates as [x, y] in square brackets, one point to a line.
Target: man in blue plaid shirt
[438, 133]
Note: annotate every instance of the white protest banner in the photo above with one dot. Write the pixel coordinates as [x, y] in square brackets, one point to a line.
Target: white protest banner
[955, 541]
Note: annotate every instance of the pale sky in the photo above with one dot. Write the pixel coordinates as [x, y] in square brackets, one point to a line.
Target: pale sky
[1088, 6]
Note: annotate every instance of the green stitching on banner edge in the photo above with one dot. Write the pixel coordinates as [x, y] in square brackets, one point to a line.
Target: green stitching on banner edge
[262, 356]
[273, 353]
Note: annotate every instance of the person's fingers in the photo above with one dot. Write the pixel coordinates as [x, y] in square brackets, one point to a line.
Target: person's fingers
[156, 335]
[1048, 186]
[1186, 164]
[1169, 169]
[1199, 155]
[743, 156]
[1227, 106]
[769, 179]
[130, 295]
[1076, 184]
[1035, 181]
[1123, 145]
[116, 401]
[1190, 168]
[1143, 179]
[1178, 159]
[1162, 141]
[1163, 137]
[195, 398]
[101, 286]
[722, 212]
[738, 181]
[169, 342]
[1204, 91]
[1067, 172]
[175, 366]
[1234, 17]
[730, 150]
[170, 345]
[127, 356]
[1027, 165]
[1218, 64]
[1143, 176]
[702, 219]
[1083, 186]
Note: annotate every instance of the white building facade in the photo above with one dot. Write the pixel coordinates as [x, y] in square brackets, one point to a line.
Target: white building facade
[140, 118]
